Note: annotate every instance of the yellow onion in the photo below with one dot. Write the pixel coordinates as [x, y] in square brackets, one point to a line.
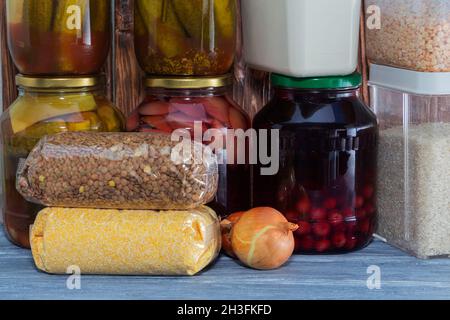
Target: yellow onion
[263, 239]
[226, 226]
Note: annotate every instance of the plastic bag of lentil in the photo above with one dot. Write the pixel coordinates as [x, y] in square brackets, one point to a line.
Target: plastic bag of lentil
[142, 171]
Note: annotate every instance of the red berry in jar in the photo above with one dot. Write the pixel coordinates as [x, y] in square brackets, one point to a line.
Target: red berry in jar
[368, 192]
[339, 240]
[303, 205]
[292, 216]
[306, 243]
[335, 218]
[318, 214]
[359, 202]
[350, 243]
[304, 228]
[339, 227]
[351, 227]
[364, 226]
[322, 229]
[360, 214]
[349, 214]
[330, 203]
[370, 209]
[323, 245]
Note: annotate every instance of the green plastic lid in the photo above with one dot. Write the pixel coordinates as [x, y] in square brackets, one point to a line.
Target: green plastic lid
[353, 80]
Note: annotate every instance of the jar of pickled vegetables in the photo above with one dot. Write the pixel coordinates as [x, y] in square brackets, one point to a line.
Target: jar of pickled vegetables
[47, 106]
[197, 105]
[179, 37]
[326, 182]
[59, 37]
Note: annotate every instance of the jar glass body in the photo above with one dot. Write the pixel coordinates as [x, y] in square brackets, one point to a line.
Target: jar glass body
[36, 114]
[48, 37]
[327, 177]
[166, 110]
[185, 37]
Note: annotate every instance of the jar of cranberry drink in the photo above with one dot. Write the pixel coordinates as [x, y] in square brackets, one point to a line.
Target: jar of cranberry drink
[326, 180]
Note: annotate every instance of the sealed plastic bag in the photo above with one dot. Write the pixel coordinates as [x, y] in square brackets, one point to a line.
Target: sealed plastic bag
[117, 171]
[125, 242]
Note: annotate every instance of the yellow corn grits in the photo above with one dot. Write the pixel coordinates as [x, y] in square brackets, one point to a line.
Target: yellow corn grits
[125, 242]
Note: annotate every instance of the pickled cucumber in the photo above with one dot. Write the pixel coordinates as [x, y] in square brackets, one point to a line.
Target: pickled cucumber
[139, 25]
[47, 108]
[38, 14]
[163, 26]
[194, 16]
[225, 13]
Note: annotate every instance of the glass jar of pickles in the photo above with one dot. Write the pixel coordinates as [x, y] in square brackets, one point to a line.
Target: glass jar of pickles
[59, 37]
[179, 37]
[197, 105]
[328, 143]
[47, 106]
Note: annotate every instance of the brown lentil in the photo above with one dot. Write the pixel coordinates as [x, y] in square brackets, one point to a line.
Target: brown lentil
[115, 171]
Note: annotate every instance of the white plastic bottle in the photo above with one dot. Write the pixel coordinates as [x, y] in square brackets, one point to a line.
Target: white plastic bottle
[302, 38]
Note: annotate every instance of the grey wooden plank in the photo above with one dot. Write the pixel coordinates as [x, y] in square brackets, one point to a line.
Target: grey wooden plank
[305, 277]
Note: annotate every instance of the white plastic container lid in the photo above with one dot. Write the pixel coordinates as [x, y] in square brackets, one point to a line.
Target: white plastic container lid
[423, 83]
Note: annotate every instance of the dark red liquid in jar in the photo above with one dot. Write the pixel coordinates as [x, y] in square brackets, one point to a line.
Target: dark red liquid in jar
[166, 110]
[327, 177]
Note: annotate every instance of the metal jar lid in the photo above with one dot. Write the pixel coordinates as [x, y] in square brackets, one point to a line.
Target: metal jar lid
[59, 82]
[189, 82]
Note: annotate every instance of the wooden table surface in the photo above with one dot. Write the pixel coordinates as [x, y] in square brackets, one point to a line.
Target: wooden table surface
[305, 277]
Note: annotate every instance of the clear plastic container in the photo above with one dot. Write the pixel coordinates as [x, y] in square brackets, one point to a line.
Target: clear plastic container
[180, 103]
[327, 178]
[302, 38]
[409, 34]
[414, 159]
[59, 37]
[179, 37]
[47, 106]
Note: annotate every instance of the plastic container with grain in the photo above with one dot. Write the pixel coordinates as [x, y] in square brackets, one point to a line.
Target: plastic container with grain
[413, 109]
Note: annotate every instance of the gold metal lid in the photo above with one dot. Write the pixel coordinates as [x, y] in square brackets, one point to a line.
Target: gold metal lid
[189, 82]
[59, 82]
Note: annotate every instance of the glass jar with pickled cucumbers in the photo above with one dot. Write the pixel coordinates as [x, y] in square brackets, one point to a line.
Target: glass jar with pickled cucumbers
[47, 106]
[179, 37]
[59, 37]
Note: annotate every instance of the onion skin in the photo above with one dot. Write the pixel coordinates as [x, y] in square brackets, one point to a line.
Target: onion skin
[263, 239]
[226, 227]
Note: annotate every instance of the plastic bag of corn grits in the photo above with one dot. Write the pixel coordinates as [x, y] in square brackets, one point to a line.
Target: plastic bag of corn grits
[115, 242]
